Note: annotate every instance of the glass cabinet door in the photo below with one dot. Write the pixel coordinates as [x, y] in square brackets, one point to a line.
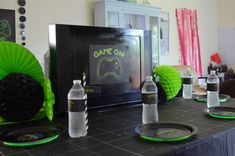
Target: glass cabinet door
[134, 21]
[113, 19]
[154, 27]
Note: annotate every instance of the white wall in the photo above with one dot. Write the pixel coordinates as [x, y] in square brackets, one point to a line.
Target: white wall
[226, 40]
[226, 31]
[226, 14]
[40, 13]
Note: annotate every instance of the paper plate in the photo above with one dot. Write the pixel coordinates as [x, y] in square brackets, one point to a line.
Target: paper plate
[165, 132]
[203, 98]
[15, 58]
[30, 136]
[221, 112]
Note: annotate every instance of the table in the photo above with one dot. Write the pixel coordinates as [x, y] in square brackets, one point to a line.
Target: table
[111, 133]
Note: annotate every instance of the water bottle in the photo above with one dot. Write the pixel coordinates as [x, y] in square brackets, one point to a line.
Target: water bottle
[77, 110]
[187, 85]
[212, 89]
[150, 101]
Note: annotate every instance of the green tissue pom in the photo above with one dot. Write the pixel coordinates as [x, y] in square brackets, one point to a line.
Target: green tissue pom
[169, 79]
[49, 99]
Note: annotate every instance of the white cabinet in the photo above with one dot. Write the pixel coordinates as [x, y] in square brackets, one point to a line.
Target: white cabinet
[118, 14]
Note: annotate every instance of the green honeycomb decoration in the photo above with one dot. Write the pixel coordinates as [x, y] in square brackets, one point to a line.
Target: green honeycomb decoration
[169, 79]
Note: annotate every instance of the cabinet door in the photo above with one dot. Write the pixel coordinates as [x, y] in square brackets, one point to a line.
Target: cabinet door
[113, 19]
[134, 21]
[154, 27]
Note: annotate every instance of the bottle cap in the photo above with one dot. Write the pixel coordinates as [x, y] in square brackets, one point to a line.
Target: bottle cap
[157, 78]
[76, 81]
[148, 77]
[189, 74]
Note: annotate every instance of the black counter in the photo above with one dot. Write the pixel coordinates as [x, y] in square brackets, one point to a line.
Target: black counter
[111, 133]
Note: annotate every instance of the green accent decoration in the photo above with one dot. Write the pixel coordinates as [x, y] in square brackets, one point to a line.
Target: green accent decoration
[15, 58]
[166, 140]
[203, 98]
[169, 79]
[44, 141]
[7, 33]
[1, 120]
[49, 99]
[222, 117]
[2, 72]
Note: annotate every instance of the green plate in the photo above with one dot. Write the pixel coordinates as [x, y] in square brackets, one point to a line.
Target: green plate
[221, 112]
[203, 98]
[30, 136]
[165, 132]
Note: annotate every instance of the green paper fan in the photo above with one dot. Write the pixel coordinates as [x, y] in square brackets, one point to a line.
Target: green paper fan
[16, 59]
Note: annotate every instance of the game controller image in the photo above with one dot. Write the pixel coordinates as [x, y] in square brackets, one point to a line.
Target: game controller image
[110, 67]
[5, 30]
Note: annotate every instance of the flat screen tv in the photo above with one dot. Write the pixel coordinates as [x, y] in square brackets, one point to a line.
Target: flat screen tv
[114, 60]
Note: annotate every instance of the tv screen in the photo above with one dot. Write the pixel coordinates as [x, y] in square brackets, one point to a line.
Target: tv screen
[114, 60]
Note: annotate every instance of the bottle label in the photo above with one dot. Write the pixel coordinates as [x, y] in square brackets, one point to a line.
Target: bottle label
[149, 98]
[187, 80]
[76, 105]
[212, 87]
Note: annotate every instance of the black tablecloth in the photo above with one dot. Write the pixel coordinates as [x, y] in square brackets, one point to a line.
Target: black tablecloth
[111, 133]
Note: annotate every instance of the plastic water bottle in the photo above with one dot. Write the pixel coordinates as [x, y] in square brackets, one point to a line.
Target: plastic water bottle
[212, 89]
[150, 101]
[77, 110]
[187, 85]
